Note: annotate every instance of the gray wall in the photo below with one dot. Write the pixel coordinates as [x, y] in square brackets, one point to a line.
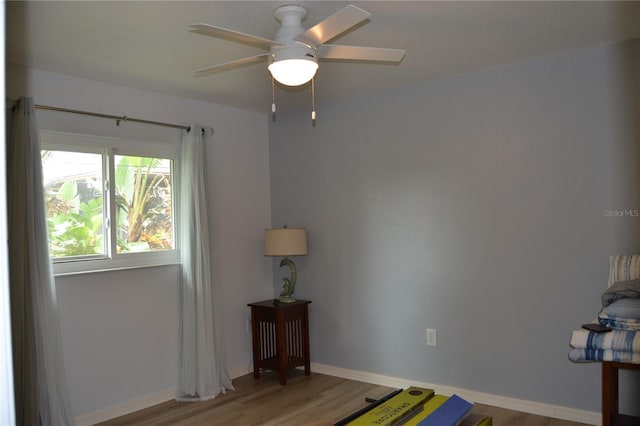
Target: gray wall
[475, 205]
[120, 329]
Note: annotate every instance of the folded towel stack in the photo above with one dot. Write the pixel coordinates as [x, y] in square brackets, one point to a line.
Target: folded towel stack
[620, 312]
[621, 306]
[615, 345]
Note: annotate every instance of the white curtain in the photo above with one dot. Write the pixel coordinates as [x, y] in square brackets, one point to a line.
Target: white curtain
[203, 372]
[41, 394]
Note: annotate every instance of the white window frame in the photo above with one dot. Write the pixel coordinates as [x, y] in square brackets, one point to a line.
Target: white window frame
[109, 147]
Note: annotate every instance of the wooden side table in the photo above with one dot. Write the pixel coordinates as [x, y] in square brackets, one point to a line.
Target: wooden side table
[610, 414]
[280, 333]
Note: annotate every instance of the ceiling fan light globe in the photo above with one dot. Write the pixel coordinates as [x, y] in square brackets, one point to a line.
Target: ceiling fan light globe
[293, 72]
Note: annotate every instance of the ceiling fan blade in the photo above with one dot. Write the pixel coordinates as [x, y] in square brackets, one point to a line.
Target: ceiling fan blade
[232, 64]
[333, 26]
[231, 35]
[359, 53]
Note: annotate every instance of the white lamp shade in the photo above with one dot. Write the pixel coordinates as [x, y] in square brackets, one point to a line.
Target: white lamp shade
[293, 72]
[285, 242]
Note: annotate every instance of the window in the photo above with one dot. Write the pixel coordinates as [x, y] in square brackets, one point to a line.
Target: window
[144, 219]
[74, 200]
[109, 202]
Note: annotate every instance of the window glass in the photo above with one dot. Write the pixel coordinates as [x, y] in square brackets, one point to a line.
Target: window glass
[144, 218]
[74, 200]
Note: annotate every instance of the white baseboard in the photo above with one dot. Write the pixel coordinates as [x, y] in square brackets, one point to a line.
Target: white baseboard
[548, 410]
[126, 407]
[140, 403]
[236, 372]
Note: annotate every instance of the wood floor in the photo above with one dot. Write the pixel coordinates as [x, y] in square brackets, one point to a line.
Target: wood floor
[304, 400]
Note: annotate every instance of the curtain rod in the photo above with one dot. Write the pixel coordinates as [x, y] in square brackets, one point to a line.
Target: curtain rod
[114, 117]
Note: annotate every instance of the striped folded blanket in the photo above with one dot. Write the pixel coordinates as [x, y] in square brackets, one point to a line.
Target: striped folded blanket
[623, 314]
[619, 323]
[586, 355]
[616, 340]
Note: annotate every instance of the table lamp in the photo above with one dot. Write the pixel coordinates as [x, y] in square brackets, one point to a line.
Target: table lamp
[285, 242]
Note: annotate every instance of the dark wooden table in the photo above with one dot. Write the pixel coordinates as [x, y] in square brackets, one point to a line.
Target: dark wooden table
[280, 334]
[610, 414]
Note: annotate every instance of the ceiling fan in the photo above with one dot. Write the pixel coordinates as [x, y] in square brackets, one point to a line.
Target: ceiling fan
[293, 55]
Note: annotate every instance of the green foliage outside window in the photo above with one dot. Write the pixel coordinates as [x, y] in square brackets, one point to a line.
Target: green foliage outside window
[143, 199]
[75, 214]
[75, 228]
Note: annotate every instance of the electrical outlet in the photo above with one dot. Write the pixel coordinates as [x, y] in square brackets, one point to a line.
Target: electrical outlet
[432, 337]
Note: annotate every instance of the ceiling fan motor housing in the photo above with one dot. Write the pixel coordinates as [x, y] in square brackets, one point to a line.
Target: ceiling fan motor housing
[291, 18]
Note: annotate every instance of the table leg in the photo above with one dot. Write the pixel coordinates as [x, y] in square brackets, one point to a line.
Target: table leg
[609, 393]
[281, 344]
[305, 342]
[256, 344]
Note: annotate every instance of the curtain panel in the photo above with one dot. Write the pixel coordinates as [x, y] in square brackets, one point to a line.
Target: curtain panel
[202, 372]
[41, 395]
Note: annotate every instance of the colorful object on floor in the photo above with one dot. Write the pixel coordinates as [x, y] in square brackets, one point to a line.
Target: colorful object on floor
[429, 407]
[394, 410]
[449, 413]
[416, 407]
[445, 411]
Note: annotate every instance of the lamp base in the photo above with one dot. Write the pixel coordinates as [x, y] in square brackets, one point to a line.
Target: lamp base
[286, 299]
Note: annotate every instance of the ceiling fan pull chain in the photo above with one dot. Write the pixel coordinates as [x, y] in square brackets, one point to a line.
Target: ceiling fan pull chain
[313, 101]
[273, 99]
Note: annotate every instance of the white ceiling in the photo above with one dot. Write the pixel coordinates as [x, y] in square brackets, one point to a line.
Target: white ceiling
[148, 44]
